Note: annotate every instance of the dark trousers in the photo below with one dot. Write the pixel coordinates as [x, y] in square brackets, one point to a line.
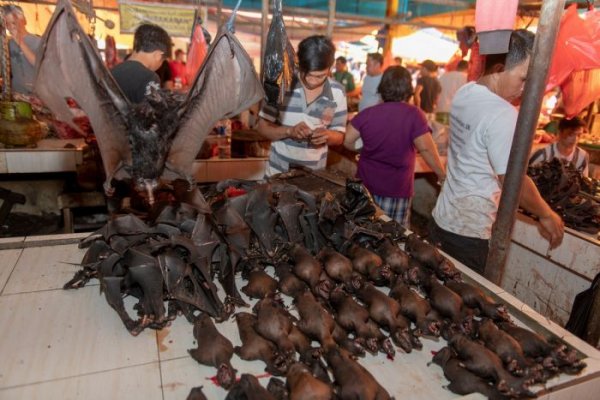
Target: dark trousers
[470, 251]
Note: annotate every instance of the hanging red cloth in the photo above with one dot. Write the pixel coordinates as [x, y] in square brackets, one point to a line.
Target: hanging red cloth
[196, 53]
[110, 52]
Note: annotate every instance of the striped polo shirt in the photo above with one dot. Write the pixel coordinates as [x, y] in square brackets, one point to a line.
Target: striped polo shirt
[579, 157]
[329, 110]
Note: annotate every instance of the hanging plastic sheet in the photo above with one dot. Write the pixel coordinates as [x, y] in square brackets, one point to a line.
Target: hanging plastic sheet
[196, 53]
[576, 60]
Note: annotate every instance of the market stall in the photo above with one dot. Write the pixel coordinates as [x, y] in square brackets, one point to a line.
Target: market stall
[70, 344]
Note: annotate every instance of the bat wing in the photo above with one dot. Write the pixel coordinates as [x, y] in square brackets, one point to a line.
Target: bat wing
[69, 66]
[226, 84]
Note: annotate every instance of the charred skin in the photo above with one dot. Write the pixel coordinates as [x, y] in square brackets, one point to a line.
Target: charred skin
[486, 364]
[306, 267]
[386, 312]
[274, 324]
[255, 347]
[505, 346]
[353, 380]
[393, 256]
[213, 350]
[315, 321]
[416, 308]
[476, 298]
[337, 266]
[370, 265]
[289, 284]
[429, 256]
[355, 318]
[304, 386]
[463, 381]
[260, 285]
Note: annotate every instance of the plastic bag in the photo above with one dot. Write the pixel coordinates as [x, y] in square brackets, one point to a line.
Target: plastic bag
[196, 53]
[577, 45]
[580, 313]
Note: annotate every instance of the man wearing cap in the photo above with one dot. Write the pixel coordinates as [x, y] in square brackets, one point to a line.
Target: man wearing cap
[428, 87]
[482, 125]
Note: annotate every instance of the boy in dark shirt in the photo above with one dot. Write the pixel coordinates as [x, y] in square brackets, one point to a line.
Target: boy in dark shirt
[151, 46]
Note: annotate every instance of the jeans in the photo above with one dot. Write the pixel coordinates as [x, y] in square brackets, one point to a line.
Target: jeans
[470, 251]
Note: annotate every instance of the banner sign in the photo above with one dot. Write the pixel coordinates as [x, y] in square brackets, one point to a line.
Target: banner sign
[176, 19]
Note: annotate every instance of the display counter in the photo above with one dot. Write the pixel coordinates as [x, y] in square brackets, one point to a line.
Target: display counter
[548, 280]
[50, 155]
[61, 344]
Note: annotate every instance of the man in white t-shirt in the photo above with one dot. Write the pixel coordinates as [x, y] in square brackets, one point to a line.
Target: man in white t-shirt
[369, 94]
[482, 125]
[451, 81]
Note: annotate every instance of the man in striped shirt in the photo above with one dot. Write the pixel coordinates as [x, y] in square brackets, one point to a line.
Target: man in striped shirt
[312, 116]
[565, 148]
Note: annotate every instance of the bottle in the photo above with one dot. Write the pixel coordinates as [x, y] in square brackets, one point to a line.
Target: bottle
[224, 139]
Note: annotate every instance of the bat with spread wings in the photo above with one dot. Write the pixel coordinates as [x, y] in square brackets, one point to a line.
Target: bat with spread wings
[156, 141]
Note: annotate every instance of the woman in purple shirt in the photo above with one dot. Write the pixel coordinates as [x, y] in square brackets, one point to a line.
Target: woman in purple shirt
[391, 133]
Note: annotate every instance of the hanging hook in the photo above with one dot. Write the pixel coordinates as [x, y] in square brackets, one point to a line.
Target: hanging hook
[230, 26]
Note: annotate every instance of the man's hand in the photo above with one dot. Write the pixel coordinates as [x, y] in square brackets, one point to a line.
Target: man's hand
[552, 228]
[300, 131]
[319, 137]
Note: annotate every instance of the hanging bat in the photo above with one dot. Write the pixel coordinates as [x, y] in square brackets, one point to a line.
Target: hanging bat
[154, 142]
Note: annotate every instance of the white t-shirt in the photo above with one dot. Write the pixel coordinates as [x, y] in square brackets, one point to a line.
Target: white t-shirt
[482, 126]
[369, 97]
[451, 81]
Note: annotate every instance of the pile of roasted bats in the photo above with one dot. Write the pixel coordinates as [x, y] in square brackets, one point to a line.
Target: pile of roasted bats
[330, 255]
[571, 195]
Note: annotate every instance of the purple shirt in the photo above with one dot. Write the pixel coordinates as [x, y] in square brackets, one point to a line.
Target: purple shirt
[387, 159]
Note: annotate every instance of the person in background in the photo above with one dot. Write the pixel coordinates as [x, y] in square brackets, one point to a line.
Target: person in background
[23, 47]
[165, 76]
[136, 76]
[482, 125]
[369, 94]
[178, 70]
[311, 117]
[391, 132]
[565, 148]
[398, 61]
[450, 82]
[428, 87]
[342, 75]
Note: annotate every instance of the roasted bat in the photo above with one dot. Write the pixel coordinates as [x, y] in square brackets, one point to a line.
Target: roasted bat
[153, 142]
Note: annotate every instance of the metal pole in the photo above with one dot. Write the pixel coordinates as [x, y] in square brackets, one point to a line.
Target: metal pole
[6, 94]
[264, 29]
[529, 112]
[331, 18]
[219, 13]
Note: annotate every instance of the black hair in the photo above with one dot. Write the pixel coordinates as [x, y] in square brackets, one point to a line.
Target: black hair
[572, 123]
[12, 9]
[396, 84]
[376, 57]
[462, 65]
[341, 59]
[520, 48]
[315, 53]
[150, 37]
